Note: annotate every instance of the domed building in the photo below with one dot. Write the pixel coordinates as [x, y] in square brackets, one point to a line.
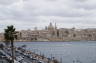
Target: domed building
[52, 29]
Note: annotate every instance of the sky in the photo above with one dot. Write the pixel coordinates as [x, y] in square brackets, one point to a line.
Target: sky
[27, 14]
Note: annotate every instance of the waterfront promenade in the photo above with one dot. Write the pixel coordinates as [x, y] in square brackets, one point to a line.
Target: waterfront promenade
[24, 56]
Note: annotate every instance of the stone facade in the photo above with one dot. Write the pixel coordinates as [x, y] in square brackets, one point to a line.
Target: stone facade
[1, 36]
[52, 33]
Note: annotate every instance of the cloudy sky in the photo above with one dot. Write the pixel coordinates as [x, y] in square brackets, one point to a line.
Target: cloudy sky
[27, 14]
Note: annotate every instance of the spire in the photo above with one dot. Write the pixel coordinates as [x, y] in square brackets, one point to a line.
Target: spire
[50, 27]
[45, 27]
[55, 26]
[50, 24]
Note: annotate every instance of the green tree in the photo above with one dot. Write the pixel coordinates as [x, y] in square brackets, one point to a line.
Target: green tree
[10, 35]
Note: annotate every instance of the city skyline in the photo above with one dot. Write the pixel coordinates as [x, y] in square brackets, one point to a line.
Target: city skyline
[27, 14]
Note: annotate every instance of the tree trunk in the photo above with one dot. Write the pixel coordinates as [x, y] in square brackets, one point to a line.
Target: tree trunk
[12, 50]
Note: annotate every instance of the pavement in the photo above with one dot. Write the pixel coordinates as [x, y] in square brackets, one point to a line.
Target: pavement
[3, 61]
[3, 58]
[20, 57]
[25, 59]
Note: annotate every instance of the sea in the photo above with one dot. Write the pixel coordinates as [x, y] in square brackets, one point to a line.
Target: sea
[65, 52]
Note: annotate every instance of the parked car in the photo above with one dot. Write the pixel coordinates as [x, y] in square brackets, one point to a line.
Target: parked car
[2, 55]
[34, 59]
[22, 61]
[18, 58]
[40, 62]
[16, 61]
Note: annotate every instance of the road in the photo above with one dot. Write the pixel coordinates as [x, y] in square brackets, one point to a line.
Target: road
[25, 59]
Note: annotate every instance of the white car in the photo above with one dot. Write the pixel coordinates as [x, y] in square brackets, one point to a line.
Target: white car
[16, 61]
[19, 58]
[40, 62]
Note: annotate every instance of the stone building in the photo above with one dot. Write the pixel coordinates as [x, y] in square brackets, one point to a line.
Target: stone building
[52, 33]
[28, 35]
[1, 37]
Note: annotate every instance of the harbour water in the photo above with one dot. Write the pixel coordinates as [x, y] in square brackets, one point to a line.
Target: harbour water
[66, 52]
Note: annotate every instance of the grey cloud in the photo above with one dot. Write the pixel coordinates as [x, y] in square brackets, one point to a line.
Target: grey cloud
[85, 4]
[80, 0]
[52, 0]
[6, 2]
[30, 13]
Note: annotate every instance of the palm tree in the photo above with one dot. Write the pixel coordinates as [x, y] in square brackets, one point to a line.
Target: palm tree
[9, 36]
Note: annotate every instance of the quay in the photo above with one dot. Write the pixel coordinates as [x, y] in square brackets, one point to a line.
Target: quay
[36, 57]
[24, 56]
